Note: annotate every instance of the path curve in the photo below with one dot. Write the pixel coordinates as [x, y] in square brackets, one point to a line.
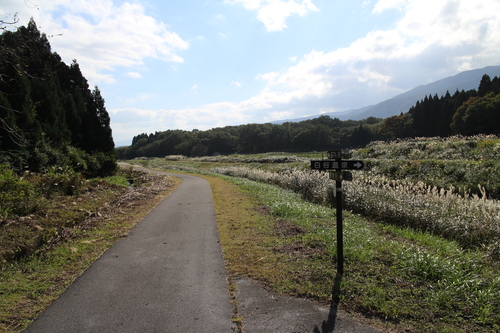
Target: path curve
[168, 275]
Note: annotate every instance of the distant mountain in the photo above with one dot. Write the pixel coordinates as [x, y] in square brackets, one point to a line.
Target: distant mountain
[123, 143]
[403, 102]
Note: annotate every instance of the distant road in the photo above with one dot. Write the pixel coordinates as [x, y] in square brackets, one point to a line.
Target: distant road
[168, 275]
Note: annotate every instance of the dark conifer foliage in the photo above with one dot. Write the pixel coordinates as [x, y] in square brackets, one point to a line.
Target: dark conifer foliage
[320, 134]
[48, 115]
[465, 113]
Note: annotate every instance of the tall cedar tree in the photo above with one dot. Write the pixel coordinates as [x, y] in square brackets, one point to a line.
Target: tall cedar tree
[47, 109]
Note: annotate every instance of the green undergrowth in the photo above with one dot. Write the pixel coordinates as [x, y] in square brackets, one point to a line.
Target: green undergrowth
[405, 280]
[39, 208]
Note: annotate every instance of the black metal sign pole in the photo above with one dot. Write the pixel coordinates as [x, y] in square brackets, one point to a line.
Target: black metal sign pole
[336, 166]
[340, 233]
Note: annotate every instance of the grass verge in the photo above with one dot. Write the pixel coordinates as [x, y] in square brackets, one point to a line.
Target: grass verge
[400, 279]
[30, 283]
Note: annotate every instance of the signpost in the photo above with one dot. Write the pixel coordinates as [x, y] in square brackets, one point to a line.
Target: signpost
[336, 166]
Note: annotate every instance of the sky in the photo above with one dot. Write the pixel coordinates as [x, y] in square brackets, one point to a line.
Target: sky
[200, 64]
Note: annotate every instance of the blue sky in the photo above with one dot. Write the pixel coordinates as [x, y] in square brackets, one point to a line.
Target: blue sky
[200, 64]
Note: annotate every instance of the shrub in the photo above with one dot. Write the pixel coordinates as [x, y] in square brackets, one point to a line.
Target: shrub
[58, 181]
[16, 194]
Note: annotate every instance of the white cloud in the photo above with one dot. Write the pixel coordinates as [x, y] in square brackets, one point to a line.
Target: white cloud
[383, 5]
[249, 4]
[134, 75]
[202, 118]
[145, 96]
[434, 39]
[236, 84]
[424, 46]
[366, 3]
[219, 17]
[273, 13]
[100, 34]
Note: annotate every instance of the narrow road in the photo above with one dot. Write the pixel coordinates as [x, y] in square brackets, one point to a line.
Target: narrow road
[168, 275]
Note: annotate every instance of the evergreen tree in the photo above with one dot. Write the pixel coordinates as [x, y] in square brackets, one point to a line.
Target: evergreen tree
[484, 86]
[47, 110]
[96, 123]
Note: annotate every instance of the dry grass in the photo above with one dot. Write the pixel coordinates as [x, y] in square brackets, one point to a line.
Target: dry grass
[406, 281]
[242, 228]
[472, 220]
[28, 285]
[263, 246]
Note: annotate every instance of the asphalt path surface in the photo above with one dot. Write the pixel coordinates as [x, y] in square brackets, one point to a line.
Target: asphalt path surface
[168, 275]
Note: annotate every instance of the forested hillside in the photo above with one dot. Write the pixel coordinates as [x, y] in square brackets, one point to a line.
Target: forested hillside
[48, 115]
[465, 112]
[322, 133]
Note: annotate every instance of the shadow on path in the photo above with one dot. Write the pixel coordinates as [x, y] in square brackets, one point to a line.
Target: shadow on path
[328, 326]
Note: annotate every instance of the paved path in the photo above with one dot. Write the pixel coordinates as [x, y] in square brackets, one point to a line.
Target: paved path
[168, 275]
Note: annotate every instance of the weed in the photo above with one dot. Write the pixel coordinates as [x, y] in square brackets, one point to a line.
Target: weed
[409, 279]
[16, 194]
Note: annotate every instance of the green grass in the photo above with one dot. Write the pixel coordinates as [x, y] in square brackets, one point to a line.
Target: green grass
[29, 285]
[398, 276]
[118, 180]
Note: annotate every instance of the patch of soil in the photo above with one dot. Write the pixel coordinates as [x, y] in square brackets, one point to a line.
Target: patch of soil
[287, 229]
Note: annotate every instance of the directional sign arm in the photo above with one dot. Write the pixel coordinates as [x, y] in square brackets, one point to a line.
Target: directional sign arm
[337, 165]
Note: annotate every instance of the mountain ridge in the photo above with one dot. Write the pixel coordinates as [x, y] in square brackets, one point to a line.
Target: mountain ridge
[401, 103]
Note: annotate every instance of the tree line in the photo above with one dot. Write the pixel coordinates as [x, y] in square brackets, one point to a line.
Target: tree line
[48, 115]
[322, 133]
[465, 112]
